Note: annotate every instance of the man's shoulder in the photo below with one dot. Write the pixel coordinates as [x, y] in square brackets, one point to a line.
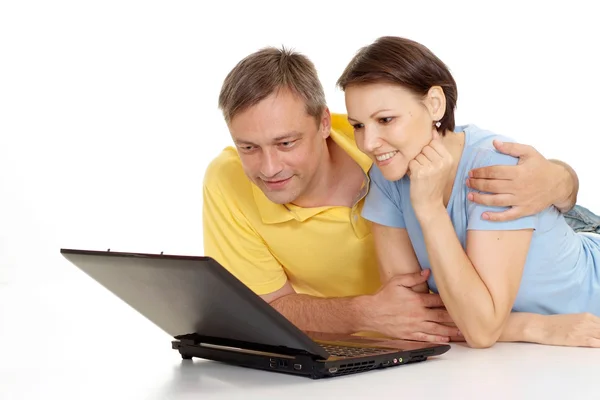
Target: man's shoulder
[225, 172]
[340, 124]
[343, 134]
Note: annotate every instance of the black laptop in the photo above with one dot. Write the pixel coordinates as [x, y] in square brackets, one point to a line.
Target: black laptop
[212, 315]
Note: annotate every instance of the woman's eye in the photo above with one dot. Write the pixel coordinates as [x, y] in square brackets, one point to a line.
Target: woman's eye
[357, 126]
[386, 120]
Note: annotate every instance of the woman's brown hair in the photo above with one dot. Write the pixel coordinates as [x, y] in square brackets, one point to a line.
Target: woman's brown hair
[403, 62]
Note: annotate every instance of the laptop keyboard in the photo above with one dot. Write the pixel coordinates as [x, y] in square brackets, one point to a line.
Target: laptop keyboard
[347, 351]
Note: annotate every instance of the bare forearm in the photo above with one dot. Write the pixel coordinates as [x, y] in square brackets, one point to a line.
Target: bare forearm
[521, 327]
[463, 292]
[568, 186]
[335, 315]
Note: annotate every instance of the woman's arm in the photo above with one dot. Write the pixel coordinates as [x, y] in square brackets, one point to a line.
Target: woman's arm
[395, 254]
[479, 286]
[574, 330]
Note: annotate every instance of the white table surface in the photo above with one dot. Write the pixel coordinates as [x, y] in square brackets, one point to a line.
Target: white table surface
[75, 340]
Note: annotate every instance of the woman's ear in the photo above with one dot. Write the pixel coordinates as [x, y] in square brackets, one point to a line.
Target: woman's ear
[436, 102]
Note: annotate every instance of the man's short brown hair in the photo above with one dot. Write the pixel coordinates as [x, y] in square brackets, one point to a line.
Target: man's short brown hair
[262, 73]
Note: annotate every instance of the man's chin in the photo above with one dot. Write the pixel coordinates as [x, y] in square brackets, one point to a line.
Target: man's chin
[280, 197]
[279, 194]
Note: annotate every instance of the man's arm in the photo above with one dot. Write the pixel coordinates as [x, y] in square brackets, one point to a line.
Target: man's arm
[393, 311]
[327, 315]
[567, 188]
[529, 187]
[396, 310]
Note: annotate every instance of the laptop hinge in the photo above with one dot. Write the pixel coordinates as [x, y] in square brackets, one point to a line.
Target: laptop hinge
[195, 339]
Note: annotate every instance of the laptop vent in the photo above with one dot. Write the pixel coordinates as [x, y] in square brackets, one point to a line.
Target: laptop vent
[352, 368]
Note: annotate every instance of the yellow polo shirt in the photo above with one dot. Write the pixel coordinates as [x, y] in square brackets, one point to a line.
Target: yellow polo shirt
[322, 251]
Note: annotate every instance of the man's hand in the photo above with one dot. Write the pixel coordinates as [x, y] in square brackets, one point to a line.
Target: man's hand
[529, 187]
[398, 311]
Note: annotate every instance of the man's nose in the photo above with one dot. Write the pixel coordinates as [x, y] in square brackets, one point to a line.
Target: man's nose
[271, 165]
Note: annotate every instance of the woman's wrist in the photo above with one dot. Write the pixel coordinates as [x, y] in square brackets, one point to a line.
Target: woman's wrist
[524, 327]
[428, 212]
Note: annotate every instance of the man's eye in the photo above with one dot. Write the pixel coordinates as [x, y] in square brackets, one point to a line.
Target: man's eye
[287, 144]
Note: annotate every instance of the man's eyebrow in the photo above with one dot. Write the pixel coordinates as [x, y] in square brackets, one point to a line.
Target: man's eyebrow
[289, 135]
[243, 142]
[283, 137]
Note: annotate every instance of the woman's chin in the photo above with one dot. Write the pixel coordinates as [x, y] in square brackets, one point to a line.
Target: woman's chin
[393, 174]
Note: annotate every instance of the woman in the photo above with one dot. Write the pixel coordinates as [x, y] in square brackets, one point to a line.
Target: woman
[400, 100]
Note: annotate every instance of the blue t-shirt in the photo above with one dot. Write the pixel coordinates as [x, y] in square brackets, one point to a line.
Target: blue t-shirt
[562, 273]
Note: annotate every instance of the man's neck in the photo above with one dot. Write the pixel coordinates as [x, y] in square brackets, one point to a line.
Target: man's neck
[336, 182]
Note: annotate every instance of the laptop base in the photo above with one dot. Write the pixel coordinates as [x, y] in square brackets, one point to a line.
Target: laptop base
[301, 365]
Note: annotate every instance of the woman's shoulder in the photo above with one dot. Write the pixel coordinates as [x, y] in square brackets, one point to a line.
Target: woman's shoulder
[393, 190]
[376, 177]
[479, 147]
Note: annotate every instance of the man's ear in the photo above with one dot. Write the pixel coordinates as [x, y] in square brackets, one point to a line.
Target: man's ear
[325, 125]
[436, 102]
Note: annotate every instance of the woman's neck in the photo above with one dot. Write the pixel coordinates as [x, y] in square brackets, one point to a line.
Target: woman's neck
[455, 144]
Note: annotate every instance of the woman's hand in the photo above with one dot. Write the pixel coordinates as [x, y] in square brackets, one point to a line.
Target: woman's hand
[575, 330]
[429, 173]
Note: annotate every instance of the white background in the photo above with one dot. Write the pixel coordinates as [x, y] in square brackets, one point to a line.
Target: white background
[108, 109]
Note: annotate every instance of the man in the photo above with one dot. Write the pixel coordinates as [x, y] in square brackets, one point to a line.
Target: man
[282, 210]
